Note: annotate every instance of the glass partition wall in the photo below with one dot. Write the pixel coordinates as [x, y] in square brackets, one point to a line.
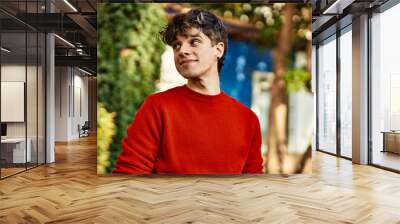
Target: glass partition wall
[327, 95]
[13, 88]
[22, 93]
[346, 92]
[335, 79]
[385, 89]
[334, 93]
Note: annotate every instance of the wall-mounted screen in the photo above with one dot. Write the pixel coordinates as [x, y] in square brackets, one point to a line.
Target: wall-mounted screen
[12, 101]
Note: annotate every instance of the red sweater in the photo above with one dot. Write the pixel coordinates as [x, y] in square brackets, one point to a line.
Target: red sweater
[184, 132]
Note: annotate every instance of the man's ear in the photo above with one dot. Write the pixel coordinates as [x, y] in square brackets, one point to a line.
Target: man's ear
[220, 48]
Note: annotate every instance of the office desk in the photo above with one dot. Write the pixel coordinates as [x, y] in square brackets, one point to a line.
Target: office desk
[16, 148]
[391, 141]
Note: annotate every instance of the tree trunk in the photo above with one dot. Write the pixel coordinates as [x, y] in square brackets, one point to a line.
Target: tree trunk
[278, 112]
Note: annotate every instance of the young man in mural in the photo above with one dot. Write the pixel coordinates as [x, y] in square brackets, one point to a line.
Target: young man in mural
[195, 128]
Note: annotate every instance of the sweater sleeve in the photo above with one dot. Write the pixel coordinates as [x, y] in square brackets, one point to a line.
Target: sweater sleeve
[140, 146]
[254, 162]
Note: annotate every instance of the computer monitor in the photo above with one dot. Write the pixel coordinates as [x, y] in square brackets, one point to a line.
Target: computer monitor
[3, 129]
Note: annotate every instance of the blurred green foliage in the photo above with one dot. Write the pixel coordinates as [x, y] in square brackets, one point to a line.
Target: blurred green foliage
[297, 79]
[128, 60]
[105, 133]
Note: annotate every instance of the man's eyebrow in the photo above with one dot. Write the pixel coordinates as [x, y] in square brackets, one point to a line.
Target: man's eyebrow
[195, 35]
[187, 36]
[191, 35]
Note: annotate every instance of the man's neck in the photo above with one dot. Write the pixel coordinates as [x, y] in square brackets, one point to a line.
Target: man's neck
[205, 85]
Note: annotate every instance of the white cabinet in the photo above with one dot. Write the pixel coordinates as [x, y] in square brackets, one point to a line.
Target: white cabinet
[18, 149]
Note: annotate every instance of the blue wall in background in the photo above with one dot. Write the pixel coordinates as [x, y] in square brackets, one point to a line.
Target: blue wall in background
[241, 60]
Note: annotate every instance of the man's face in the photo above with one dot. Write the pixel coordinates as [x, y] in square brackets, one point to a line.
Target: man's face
[194, 54]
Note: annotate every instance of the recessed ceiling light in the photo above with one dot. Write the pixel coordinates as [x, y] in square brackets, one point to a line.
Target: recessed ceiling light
[86, 72]
[64, 40]
[337, 7]
[70, 5]
[5, 49]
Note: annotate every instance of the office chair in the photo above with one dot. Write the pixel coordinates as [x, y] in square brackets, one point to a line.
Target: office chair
[84, 130]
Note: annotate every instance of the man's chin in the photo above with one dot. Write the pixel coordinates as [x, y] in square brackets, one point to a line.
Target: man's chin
[189, 75]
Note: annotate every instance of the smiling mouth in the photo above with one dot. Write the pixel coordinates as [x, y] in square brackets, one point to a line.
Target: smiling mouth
[187, 62]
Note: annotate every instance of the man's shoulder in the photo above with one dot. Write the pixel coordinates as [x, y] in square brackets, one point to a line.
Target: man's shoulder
[163, 96]
[239, 106]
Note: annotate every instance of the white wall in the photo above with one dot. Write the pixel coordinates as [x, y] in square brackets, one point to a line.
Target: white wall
[71, 102]
[80, 104]
[12, 73]
[34, 125]
[62, 81]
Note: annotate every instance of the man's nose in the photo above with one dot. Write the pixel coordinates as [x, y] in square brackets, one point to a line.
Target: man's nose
[184, 50]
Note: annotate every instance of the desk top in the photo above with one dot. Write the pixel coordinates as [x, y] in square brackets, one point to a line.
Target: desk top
[391, 132]
[14, 140]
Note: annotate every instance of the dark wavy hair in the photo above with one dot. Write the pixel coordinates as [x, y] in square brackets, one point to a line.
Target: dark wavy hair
[201, 19]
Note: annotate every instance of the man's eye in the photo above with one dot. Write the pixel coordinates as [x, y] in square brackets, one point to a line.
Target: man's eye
[176, 46]
[195, 41]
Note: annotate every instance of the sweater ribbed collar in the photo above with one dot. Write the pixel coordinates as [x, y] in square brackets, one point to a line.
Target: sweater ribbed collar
[202, 97]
